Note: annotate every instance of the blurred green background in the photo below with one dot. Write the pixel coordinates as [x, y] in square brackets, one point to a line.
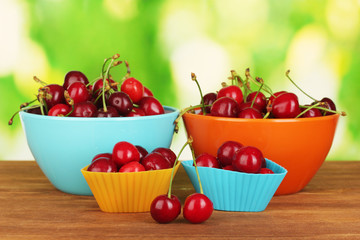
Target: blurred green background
[165, 40]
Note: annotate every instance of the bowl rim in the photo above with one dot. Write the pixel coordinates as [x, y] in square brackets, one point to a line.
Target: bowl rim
[261, 120]
[172, 111]
[284, 171]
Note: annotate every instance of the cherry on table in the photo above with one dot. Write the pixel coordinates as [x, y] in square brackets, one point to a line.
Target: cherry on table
[133, 166]
[155, 161]
[133, 88]
[168, 154]
[226, 152]
[74, 76]
[121, 101]
[102, 165]
[248, 159]
[124, 152]
[197, 208]
[164, 209]
[225, 107]
[59, 109]
[151, 106]
[207, 160]
[84, 109]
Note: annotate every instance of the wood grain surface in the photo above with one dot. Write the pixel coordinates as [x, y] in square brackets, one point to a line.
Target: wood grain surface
[31, 208]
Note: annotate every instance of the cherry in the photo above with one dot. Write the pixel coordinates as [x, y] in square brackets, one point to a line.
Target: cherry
[121, 101]
[329, 104]
[286, 105]
[136, 112]
[133, 88]
[133, 166]
[226, 152]
[168, 154]
[263, 164]
[110, 112]
[151, 106]
[250, 113]
[313, 112]
[266, 171]
[36, 110]
[78, 92]
[102, 165]
[248, 105]
[207, 160]
[101, 155]
[233, 92]
[142, 151]
[147, 92]
[260, 99]
[165, 209]
[275, 95]
[97, 87]
[225, 107]
[155, 161]
[59, 109]
[229, 168]
[74, 76]
[52, 94]
[248, 159]
[209, 99]
[197, 208]
[124, 152]
[84, 109]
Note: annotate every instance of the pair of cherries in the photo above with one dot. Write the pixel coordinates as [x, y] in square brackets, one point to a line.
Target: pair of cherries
[126, 157]
[233, 156]
[197, 207]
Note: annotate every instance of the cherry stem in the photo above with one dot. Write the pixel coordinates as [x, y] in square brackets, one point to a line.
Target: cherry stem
[106, 76]
[308, 109]
[173, 169]
[257, 93]
[287, 75]
[27, 103]
[240, 82]
[36, 79]
[21, 109]
[182, 112]
[128, 71]
[248, 76]
[194, 161]
[326, 109]
[193, 77]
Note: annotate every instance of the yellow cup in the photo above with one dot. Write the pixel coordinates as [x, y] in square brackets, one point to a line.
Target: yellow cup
[128, 191]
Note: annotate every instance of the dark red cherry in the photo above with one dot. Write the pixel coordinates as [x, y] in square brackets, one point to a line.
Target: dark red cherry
[313, 112]
[164, 209]
[121, 102]
[168, 154]
[275, 95]
[98, 86]
[229, 167]
[36, 110]
[197, 208]
[102, 165]
[84, 109]
[226, 152]
[225, 107]
[136, 112]
[247, 105]
[101, 155]
[250, 113]
[248, 159]
[207, 160]
[111, 112]
[142, 151]
[124, 152]
[209, 99]
[155, 161]
[60, 109]
[329, 104]
[132, 167]
[233, 92]
[260, 99]
[133, 88]
[147, 92]
[151, 106]
[74, 76]
[266, 171]
[78, 92]
[285, 105]
[53, 94]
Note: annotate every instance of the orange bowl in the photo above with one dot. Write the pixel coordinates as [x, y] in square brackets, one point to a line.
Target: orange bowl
[299, 145]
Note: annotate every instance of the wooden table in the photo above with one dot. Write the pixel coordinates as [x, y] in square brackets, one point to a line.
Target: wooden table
[31, 208]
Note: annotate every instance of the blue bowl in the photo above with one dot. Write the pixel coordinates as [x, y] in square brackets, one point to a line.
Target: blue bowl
[62, 146]
[237, 191]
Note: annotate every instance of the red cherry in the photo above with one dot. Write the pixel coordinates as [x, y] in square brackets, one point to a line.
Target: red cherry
[151, 106]
[266, 171]
[102, 165]
[207, 160]
[133, 88]
[101, 155]
[233, 92]
[197, 208]
[111, 112]
[132, 167]
[250, 113]
[142, 151]
[124, 152]
[122, 102]
[209, 99]
[248, 159]
[225, 107]
[313, 112]
[36, 110]
[136, 112]
[260, 99]
[168, 154]
[98, 86]
[84, 109]
[78, 92]
[155, 161]
[247, 105]
[229, 168]
[54, 95]
[147, 92]
[329, 104]
[164, 209]
[74, 76]
[59, 110]
[272, 97]
[286, 105]
[226, 152]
